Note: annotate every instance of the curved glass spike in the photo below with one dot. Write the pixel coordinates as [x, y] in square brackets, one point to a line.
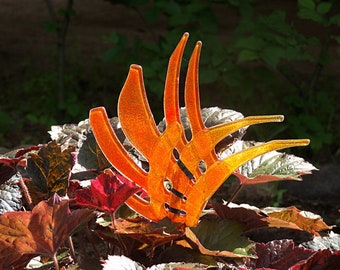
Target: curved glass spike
[112, 148]
[213, 135]
[135, 115]
[154, 211]
[171, 96]
[192, 98]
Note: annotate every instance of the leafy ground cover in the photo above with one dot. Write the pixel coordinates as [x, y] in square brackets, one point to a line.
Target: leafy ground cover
[75, 217]
[64, 204]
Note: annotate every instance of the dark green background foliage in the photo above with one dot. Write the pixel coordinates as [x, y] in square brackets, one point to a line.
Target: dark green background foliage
[258, 57]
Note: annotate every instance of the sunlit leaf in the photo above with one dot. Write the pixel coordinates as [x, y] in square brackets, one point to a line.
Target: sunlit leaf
[272, 166]
[251, 218]
[121, 262]
[305, 220]
[331, 242]
[179, 266]
[70, 134]
[80, 135]
[41, 231]
[212, 116]
[107, 192]
[10, 196]
[49, 169]
[104, 221]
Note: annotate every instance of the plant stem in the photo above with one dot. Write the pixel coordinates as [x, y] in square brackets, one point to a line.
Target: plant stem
[56, 264]
[61, 31]
[88, 234]
[70, 244]
[320, 63]
[26, 193]
[237, 190]
[112, 215]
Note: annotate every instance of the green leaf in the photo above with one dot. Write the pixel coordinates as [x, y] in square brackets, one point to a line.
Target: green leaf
[66, 12]
[335, 20]
[50, 26]
[226, 241]
[250, 43]
[247, 56]
[5, 121]
[178, 20]
[308, 4]
[323, 7]
[208, 76]
[104, 221]
[171, 8]
[337, 39]
[272, 55]
[310, 15]
[216, 59]
[151, 15]
[113, 37]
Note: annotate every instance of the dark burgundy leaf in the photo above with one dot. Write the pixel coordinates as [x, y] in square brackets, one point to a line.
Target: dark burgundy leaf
[21, 152]
[7, 168]
[321, 260]
[280, 254]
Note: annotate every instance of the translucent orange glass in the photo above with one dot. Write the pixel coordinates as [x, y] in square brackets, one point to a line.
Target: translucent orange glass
[176, 186]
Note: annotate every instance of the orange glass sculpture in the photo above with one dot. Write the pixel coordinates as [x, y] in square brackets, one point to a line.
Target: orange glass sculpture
[176, 186]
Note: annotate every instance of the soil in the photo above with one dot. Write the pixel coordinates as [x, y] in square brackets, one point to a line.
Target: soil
[25, 46]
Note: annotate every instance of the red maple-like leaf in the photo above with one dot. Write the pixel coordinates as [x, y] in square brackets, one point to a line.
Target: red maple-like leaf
[39, 232]
[107, 192]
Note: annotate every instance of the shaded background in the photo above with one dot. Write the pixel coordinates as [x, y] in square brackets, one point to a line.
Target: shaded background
[258, 57]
